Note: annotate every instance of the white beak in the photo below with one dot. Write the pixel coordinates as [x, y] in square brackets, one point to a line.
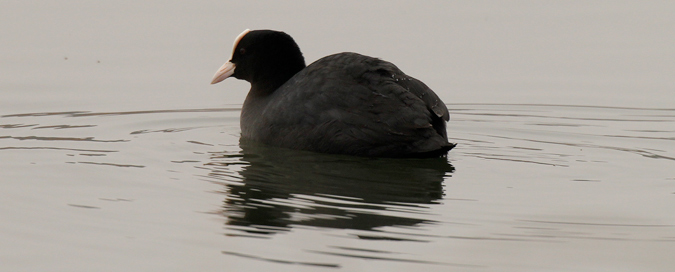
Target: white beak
[224, 72]
[227, 69]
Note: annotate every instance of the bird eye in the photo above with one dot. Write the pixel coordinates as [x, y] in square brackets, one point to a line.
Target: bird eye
[242, 51]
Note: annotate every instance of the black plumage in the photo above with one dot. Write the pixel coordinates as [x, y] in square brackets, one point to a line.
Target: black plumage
[344, 103]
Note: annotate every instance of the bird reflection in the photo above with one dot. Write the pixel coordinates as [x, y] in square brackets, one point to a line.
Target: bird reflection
[276, 189]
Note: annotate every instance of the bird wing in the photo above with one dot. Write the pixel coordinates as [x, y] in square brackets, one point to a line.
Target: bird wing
[360, 105]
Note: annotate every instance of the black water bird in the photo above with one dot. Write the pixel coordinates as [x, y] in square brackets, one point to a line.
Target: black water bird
[344, 103]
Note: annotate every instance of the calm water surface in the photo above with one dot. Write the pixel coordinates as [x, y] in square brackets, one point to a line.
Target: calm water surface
[117, 155]
[529, 188]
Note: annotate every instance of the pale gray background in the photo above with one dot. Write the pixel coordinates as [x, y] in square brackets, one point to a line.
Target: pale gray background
[163, 53]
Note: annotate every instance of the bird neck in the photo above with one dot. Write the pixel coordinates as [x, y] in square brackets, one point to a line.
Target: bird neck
[270, 79]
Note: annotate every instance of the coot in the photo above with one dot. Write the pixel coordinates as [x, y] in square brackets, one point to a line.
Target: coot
[344, 103]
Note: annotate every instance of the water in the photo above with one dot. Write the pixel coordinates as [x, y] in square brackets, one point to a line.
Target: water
[529, 187]
[116, 154]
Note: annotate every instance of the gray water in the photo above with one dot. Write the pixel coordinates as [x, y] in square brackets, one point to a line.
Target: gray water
[116, 154]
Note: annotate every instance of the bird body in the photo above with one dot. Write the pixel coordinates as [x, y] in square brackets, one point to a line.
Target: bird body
[344, 103]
